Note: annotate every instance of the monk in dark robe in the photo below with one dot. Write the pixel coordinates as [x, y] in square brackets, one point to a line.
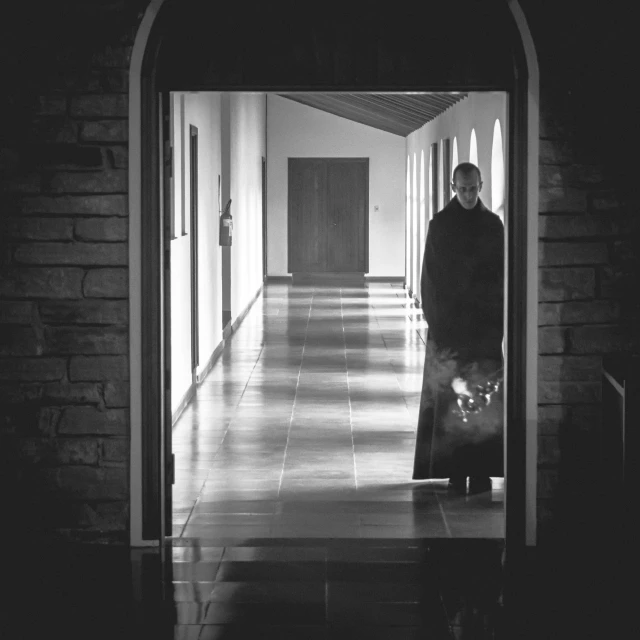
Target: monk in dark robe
[462, 297]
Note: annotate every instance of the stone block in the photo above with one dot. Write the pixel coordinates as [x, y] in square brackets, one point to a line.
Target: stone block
[75, 451]
[118, 157]
[116, 394]
[569, 368]
[552, 340]
[102, 229]
[86, 340]
[92, 421]
[12, 312]
[48, 420]
[51, 105]
[22, 185]
[58, 129]
[582, 226]
[20, 393]
[548, 451]
[555, 152]
[105, 131]
[91, 483]
[106, 181]
[85, 312]
[29, 419]
[605, 202]
[569, 392]
[72, 253]
[586, 175]
[112, 56]
[553, 176]
[90, 205]
[586, 418]
[99, 368]
[106, 283]
[562, 200]
[589, 312]
[559, 284]
[110, 516]
[32, 369]
[114, 450]
[66, 393]
[38, 228]
[111, 80]
[619, 284]
[20, 341]
[552, 418]
[67, 156]
[51, 282]
[572, 253]
[601, 339]
[100, 104]
[547, 483]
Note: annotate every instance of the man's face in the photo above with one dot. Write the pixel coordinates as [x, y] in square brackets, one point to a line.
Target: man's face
[467, 187]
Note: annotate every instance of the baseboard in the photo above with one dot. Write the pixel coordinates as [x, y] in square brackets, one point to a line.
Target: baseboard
[384, 278]
[232, 327]
[346, 278]
[186, 399]
[217, 352]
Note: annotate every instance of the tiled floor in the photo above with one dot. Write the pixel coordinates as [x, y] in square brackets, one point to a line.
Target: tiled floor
[293, 522]
[295, 515]
[305, 427]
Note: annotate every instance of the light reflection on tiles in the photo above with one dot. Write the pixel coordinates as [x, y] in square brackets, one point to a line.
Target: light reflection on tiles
[305, 427]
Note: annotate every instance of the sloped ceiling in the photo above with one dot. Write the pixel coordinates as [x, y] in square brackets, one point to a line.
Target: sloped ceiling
[398, 113]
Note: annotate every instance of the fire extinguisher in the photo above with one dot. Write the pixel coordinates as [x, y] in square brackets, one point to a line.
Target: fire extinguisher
[226, 227]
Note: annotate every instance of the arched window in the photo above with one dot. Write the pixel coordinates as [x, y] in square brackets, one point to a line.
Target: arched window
[473, 148]
[430, 183]
[497, 172]
[454, 158]
[423, 210]
[414, 234]
[407, 226]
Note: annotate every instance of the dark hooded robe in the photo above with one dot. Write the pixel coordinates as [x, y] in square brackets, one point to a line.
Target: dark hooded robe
[462, 298]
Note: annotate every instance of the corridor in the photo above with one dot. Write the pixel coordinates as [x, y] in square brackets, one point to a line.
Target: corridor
[294, 512]
[305, 427]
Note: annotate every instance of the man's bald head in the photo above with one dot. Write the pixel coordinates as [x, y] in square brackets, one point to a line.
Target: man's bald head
[467, 184]
[466, 169]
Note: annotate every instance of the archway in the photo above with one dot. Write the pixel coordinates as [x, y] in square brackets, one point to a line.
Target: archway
[170, 35]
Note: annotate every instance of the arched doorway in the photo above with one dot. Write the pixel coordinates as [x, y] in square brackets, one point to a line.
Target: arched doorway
[176, 49]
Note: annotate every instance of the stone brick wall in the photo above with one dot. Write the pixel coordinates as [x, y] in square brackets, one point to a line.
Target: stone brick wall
[64, 365]
[588, 252]
[63, 254]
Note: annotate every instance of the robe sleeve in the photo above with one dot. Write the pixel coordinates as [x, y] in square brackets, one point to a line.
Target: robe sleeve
[429, 280]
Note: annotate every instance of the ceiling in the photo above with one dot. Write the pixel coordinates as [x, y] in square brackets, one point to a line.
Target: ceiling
[398, 113]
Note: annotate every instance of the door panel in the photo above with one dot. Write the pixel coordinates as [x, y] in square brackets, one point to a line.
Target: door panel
[346, 207]
[307, 215]
[328, 205]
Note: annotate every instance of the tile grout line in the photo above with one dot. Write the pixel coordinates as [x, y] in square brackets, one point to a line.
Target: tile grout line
[444, 517]
[393, 369]
[293, 405]
[346, 361]
[213, 462]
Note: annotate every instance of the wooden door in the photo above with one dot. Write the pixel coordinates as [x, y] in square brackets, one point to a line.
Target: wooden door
[328, 207]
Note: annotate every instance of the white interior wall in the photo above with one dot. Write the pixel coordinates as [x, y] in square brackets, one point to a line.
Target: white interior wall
[479, 112]
[203, 111]
[248, 146]
[298, 131]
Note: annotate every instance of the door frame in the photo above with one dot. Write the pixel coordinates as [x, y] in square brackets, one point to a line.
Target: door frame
[365, 230]
[147, 287]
